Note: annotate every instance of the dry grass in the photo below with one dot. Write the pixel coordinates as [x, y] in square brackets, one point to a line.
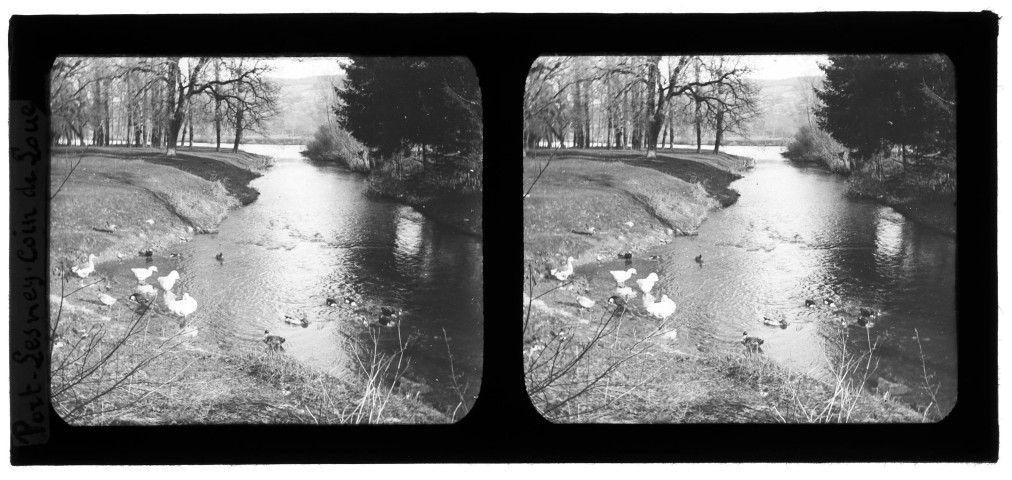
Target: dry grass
[798, 398]
[576, 194]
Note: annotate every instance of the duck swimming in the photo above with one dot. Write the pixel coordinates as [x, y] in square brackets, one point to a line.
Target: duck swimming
[867, 312]
[829, 302]
[386, 321]
[563, 273]
[390, 311]
[810, 303]
[350, 301]
[331, 302]
[301, 320]
[775, 322]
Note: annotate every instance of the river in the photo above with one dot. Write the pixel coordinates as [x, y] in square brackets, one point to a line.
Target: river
[314, 234]
[793, 235]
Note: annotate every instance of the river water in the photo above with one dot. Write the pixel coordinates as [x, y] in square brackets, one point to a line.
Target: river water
[793, 235]
[313, 234]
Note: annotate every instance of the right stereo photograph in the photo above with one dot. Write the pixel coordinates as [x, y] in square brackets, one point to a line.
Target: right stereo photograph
[740, 238]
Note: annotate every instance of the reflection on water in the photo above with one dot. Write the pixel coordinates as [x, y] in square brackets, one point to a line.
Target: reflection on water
[314, 234]
[794, 235]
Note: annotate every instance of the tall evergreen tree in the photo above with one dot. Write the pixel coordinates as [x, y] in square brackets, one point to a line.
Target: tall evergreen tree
[873, 103]
[394, 103]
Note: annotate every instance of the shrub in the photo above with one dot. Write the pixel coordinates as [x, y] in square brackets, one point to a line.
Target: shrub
[334, 144]
[816, 146]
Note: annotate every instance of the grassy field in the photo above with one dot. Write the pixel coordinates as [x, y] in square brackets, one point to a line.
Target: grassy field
[604, 364]
[129, 364]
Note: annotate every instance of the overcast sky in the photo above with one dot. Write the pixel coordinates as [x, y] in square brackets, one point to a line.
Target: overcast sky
[299, 67]
[766, 66]
[785, 66]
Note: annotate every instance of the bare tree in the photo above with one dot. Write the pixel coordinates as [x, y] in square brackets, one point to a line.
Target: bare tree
[730, 104]
[250, 99]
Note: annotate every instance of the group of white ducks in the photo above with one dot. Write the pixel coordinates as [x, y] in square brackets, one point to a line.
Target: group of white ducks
[661, 309]
[182, 307]
[666, 307]
[658, 309]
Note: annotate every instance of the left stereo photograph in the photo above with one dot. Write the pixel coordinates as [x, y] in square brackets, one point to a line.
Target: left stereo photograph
[285, 240]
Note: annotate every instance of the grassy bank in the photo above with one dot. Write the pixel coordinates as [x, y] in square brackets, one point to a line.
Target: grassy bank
[153, 200]
[449, 194]
[926, 196]
[145, 370]
[584, 189]
[136, 365]
[602, 364]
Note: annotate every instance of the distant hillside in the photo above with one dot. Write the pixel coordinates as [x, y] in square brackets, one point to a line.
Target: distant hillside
[784, 103]
[305, 104]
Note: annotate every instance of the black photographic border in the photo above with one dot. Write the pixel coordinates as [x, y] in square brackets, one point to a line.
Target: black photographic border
[503, 426]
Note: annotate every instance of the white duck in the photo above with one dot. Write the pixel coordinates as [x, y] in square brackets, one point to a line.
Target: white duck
[145, 289]
[107, 300]
[169, 298]
[563, 273]
[184, 306]
[647, 284]
[142, 274]
[585, 302]
[662, 309]
[622, 275]
[85, 270]
[168, 281]
[625, 292]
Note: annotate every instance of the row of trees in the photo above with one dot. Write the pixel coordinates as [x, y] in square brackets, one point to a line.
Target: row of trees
[401, 105]
[886, 104]
[152, 101]
[636, 101]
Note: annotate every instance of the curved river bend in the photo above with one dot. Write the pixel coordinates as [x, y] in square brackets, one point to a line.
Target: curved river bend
[794, 235]
[314, 233]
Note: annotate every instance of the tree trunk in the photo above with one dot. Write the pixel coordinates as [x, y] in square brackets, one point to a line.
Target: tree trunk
[719, 134]
[238, 129]
[189, 120]
[217, 109]
[654, 129]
